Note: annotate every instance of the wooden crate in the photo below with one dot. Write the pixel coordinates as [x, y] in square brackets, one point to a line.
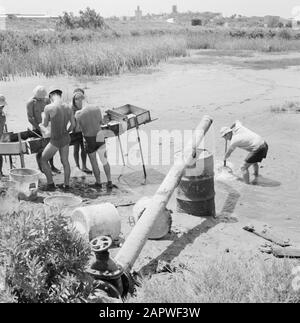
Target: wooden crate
[12, 148]
[131, 114]
[37, 144]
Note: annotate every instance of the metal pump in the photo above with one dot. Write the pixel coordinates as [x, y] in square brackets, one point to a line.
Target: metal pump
[110, 275]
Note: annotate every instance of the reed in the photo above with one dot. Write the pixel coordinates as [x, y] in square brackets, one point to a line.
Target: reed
[106, 57]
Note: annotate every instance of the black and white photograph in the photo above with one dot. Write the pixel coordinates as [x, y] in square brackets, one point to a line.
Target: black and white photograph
[149, 154]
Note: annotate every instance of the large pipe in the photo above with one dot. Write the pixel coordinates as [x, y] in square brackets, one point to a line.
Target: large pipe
[136, 240]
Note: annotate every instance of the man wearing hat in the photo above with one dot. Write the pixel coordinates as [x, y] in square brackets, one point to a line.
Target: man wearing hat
[60, 115]
[35, 108]
[2, 125]
[241, 137]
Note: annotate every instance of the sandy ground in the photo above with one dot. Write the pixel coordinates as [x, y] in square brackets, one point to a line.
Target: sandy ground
[179, 93]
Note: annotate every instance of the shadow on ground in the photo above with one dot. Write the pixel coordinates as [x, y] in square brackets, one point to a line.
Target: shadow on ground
[179, 243]
[136, 179]
[265, 182]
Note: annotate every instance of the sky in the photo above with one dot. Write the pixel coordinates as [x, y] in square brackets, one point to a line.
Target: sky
[109, 8]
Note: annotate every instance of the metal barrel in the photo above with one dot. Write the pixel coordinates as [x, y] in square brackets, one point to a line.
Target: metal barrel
[196, 192]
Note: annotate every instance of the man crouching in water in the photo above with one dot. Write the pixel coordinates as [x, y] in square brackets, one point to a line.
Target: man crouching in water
[241, 137]
[60, 115]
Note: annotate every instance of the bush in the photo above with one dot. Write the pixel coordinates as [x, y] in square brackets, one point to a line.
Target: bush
[43, 258]
[88, 19]
[285, 34]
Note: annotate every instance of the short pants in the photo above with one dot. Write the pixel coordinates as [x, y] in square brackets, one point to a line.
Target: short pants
[62, 142]
[258, 155]
[91, 145]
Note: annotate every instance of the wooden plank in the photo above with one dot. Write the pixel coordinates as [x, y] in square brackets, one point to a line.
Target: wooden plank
[22, 160]
[286, 252]
[267, 235]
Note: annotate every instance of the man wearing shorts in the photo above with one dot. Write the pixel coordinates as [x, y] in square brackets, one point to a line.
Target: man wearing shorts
[2, 126]
[35, 107]
[89, 119]
[241, 137]
[62, 122]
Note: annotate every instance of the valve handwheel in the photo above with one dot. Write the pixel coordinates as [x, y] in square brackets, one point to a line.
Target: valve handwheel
[101, 243]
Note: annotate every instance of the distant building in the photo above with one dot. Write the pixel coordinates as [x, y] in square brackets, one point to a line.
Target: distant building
[2, 22]
[2, 19]
[31, 15]
[138, 13]
[272, 21]
[296, 17]
[174, 10]
[296, 23]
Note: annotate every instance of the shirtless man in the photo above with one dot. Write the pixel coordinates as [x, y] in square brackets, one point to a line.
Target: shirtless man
[2, 126]
[241, 137]
[35, 108]
[60, 115]
[89, 119]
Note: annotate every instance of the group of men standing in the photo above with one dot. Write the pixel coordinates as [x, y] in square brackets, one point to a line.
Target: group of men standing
[50, 111]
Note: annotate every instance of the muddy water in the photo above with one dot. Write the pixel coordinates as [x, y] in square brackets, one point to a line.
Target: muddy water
[179, 93]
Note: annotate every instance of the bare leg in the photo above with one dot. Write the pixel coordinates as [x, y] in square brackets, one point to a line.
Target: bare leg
[64, 157]
[256, 170]
[1, 165]
[95, 167]
[245, 172]
[53, 168]
[47, 154]
[38, 157]
[103, 157]
[76, 154]
[84, 158]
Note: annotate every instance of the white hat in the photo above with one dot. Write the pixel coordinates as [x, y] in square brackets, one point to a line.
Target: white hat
[2, 100]
[225, 130]
[39, 92]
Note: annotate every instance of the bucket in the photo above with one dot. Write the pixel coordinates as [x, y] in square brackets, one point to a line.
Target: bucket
[195, 192]
[97, 220]
[26, 182]
[63, 201]
[162, 224]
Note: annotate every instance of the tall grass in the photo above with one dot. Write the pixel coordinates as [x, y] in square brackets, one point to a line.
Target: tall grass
[255, 41]
[88, 52]
[236, 279]
[93, 58]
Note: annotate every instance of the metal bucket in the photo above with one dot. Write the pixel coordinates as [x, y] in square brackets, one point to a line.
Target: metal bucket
[97, 220]
[162, 224]
[63, 201]
[195, 192]
[26, 182]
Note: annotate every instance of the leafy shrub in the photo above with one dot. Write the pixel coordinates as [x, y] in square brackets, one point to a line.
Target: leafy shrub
[88, 19]
[256, 33]
[285, 34]
[43, 258]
